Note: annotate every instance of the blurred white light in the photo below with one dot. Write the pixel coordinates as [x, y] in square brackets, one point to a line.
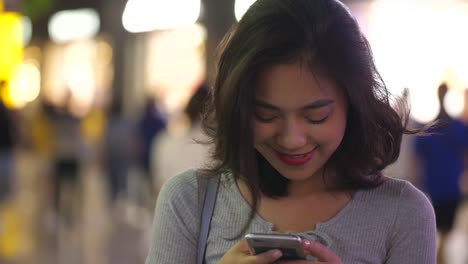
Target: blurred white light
[454, 102]
[426, 108]
[69, 25]
[53, 83]
[78, 71]
[460, 57]
[80, 80]
[149, 15]
[25, 85]
[241, 7]
[417, 49]
[27, 30]
[175, 64]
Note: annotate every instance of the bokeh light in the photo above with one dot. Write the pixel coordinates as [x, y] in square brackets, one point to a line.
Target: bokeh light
[69, 25]
[149, 15]
[241, 6]
[416, 43]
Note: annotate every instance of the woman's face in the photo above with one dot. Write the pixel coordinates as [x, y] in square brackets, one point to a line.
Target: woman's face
[299, 119]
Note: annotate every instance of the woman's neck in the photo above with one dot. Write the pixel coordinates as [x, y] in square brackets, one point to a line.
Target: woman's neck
[308, 187]
[313, 186]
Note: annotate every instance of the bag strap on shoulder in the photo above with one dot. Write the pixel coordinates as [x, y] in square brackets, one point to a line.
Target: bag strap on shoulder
[207, 191]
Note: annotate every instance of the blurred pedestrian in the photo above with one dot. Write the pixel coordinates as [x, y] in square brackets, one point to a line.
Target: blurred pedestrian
[441, 155]
[9, 217]
[177, 149]
[68, 149]
[8, 134]
[149, 125]
[118, 151]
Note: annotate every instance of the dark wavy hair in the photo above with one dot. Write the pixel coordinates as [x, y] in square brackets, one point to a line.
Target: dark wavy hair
[323, 35]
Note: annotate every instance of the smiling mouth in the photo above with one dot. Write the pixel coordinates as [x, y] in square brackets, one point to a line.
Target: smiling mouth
[295, 159]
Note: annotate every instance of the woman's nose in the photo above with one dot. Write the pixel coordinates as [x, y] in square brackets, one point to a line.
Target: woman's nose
[291, 136]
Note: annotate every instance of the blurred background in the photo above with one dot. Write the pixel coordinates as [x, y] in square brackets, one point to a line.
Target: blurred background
[99, 101]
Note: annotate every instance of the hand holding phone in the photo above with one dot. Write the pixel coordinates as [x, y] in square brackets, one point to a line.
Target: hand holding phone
[290, 245]
[240, 253]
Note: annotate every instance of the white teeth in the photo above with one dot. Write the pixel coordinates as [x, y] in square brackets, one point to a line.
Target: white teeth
[297, 156]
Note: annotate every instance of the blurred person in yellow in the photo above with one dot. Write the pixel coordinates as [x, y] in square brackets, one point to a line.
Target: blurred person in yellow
[13, 240]
[7, 144]
[40, 131]
[11, 46]
[9, 222]
[14, 243]
[10, 56]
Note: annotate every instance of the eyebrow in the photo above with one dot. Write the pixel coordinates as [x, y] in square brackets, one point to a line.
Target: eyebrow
[311, 106]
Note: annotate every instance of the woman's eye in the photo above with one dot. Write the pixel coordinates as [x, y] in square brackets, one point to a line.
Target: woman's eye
[316, 121]
[265, 117]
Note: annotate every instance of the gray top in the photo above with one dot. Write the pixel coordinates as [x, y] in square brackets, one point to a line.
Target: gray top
[393, 223]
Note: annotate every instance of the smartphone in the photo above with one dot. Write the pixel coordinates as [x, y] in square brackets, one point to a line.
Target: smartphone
[289, 244]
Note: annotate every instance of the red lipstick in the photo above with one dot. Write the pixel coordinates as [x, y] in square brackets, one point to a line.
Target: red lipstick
[297, 159]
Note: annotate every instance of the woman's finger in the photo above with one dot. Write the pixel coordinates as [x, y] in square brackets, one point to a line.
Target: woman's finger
[321, 252]
[267, 257]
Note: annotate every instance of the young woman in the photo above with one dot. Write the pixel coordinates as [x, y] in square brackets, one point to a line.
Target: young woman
[302, 126]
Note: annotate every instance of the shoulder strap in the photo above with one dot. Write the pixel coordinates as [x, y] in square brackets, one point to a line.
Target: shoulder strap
[207, 190]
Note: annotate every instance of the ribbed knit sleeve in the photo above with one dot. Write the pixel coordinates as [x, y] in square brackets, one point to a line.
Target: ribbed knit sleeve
[175, 226]
[413, 234]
